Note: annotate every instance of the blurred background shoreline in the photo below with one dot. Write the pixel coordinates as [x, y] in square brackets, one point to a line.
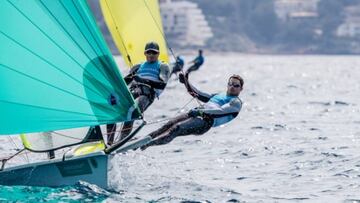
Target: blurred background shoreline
[258, 26]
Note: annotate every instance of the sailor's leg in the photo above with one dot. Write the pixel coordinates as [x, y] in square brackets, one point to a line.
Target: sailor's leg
[126, 129]
[169, 124]
[196, 126]
[192, 68]
[143, 103]
[110, 130]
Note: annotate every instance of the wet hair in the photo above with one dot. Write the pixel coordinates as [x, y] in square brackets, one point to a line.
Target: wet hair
[237, 77]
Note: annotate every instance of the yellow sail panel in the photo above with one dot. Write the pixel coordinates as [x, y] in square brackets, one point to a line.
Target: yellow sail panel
[132, 24]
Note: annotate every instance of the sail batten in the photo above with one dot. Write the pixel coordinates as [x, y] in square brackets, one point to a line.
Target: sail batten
[56, 71]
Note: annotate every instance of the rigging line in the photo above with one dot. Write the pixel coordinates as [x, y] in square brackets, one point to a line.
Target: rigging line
[118, 131]
[118, 32]
[92, 34]
[67, 136]
[185, 105]
[97, 121]
[10, 138]
[113, 77]
[160, 30]
[174, 116]
[71, 137]
[87, 26]
[78, 45]
[90, 44]
[26, 157]
[50, 85]
[168, 44]
[54, 43]
[13, 142]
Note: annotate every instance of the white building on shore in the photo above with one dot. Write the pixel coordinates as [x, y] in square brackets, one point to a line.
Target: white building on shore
[295, 9]
[184, 23]
[351, 25]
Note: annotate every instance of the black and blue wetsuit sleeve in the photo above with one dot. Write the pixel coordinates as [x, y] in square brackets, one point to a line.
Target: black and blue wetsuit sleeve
[202, 96]
[129, 77]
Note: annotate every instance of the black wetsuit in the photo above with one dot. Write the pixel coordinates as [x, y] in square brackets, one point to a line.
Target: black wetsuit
[187, 124]
[198, 61]
[176, 68]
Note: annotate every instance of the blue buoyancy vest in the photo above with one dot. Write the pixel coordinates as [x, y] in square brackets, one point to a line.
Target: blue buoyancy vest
[199, 60]
[180, 61]
[220, 100]
[150, 70]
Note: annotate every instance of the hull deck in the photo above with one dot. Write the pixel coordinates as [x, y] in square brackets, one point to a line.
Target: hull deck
[91, 168]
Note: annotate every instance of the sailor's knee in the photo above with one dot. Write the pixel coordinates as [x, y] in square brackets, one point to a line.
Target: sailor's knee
[176, 129]
[169, 124]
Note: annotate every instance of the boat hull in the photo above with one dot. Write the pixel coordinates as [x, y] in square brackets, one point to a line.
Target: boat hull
[55, 173]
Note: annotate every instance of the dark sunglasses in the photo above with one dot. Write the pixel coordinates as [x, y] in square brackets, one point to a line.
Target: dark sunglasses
[151, 52]
[234, 85]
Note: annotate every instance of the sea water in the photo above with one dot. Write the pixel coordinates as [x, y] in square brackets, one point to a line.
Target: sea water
[296, 139]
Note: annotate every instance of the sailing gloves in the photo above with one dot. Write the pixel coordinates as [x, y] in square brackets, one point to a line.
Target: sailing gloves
[182, 78]
[195, 113]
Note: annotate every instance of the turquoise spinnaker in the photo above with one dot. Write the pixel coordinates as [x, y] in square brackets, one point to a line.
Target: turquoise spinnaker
[56, 71]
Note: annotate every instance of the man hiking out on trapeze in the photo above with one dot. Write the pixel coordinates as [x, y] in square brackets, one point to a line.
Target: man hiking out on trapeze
[178, 66]
[197, 62]
[217, 109]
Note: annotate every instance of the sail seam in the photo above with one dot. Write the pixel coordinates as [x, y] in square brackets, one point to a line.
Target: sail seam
[53, 86]
[56, 45]
[77, 44]
[92, 48]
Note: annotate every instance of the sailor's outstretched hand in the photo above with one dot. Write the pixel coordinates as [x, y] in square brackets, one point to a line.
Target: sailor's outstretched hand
[194, 113]
[181, 78]
[193, 94]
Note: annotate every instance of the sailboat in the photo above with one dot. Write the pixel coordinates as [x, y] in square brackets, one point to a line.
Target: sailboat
[57, 76]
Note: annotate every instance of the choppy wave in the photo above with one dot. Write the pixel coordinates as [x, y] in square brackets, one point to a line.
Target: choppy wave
[296, 140]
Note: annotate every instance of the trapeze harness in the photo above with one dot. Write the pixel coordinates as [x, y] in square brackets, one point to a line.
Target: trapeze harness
[215, 102]
[146, 81]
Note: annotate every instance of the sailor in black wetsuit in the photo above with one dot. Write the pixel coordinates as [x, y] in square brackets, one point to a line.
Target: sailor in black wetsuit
[218, 109]
[147, 81]
[197, 62]
[178, 65]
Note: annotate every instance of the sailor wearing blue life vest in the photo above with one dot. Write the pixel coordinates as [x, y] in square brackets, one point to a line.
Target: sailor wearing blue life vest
[178, 65]
[197, 62]
[218, 109]
[147, 80]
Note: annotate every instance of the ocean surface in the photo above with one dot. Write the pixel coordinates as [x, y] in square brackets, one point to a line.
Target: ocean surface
[297, 139]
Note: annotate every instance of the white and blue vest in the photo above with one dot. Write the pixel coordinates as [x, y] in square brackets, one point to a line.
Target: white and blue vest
[218, 101]
[150, 71]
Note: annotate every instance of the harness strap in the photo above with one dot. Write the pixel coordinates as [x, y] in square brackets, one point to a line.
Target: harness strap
[138, 89]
